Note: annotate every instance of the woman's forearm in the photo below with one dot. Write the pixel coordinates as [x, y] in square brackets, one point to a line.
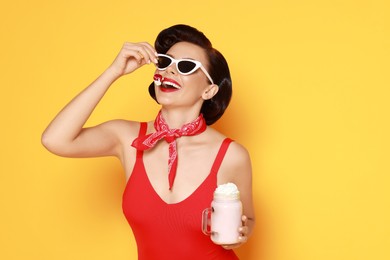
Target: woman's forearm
[67, 127]
[69, 122]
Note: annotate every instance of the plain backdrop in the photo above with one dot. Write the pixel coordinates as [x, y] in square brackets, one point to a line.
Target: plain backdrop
[310, 103]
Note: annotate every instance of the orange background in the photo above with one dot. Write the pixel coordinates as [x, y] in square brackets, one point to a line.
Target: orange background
[311, 104]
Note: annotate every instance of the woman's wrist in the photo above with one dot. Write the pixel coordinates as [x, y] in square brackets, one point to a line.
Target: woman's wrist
[112, 74]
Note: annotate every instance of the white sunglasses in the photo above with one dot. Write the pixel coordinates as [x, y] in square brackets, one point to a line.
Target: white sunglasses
[183, 66]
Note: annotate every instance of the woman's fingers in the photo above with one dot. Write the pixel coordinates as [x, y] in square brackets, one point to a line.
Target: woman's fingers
[231, 246]
[132, 51]
[148, 52]
[244, 220]
[132, 56]
[243, 234]
[143, 52]
[243, 230]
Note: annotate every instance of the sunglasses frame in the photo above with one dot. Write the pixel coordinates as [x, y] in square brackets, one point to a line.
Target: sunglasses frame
[198, 65]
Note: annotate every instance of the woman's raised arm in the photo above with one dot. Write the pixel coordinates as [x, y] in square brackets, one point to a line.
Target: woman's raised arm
[65, 135]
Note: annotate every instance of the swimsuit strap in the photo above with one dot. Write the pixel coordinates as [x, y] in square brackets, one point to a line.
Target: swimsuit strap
[221, 154]
[142, 131]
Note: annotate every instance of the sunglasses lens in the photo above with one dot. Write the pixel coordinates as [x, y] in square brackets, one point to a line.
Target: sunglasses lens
[163, 62]
[185, 66]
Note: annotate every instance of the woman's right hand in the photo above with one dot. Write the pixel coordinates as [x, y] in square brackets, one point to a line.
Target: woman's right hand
[133, 56]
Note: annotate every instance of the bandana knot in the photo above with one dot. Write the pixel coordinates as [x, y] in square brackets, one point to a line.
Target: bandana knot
[169, 135]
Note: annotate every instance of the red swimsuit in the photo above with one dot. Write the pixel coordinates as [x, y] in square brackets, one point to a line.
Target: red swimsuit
[171, 231]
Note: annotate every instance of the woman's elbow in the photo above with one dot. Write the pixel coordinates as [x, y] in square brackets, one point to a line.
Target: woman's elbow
[51, 144]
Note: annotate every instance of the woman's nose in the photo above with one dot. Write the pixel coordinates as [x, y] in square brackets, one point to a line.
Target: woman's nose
[171, 69]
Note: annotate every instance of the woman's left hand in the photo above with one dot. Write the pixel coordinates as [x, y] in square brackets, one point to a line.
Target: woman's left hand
[243, 237]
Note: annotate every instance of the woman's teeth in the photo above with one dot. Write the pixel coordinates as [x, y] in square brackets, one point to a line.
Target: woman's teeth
[165, 83]
[170, 84]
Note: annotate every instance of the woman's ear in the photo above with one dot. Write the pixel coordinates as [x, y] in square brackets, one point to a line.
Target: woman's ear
[210, 92]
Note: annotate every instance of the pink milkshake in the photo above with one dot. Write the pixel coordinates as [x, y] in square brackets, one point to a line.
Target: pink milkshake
[226, 213]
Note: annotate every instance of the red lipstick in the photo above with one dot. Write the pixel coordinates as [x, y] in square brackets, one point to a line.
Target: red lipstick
[166, 84]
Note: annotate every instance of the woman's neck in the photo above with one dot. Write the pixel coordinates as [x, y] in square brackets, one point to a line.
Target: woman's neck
[176, 118]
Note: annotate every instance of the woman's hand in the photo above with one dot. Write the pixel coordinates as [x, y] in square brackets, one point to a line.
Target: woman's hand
[133, 56]
[243, 237]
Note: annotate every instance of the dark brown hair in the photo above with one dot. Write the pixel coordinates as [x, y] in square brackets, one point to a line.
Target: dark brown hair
[214, 108]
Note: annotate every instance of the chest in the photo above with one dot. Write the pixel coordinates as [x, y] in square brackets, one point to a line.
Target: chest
[146, 210]
[194, 165]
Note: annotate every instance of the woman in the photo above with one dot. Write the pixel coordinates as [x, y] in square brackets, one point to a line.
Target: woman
[163, 202]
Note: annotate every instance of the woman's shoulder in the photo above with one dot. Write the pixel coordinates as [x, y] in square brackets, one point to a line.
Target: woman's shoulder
[236, 166]
[214, 136]
[236, 152]
[217, 137]
[237, 162]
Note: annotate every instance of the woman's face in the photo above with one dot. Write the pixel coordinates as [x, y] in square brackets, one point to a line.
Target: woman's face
[182, 90]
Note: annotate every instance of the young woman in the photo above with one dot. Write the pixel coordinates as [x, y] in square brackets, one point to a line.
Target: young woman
[173, 163]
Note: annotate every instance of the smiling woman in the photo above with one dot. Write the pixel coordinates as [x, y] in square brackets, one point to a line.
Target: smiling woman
[193, 86]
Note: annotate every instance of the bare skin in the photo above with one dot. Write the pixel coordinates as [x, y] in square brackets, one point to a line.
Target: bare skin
[66, 135]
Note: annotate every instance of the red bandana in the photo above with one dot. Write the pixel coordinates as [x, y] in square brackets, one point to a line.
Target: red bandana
[162, 131]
